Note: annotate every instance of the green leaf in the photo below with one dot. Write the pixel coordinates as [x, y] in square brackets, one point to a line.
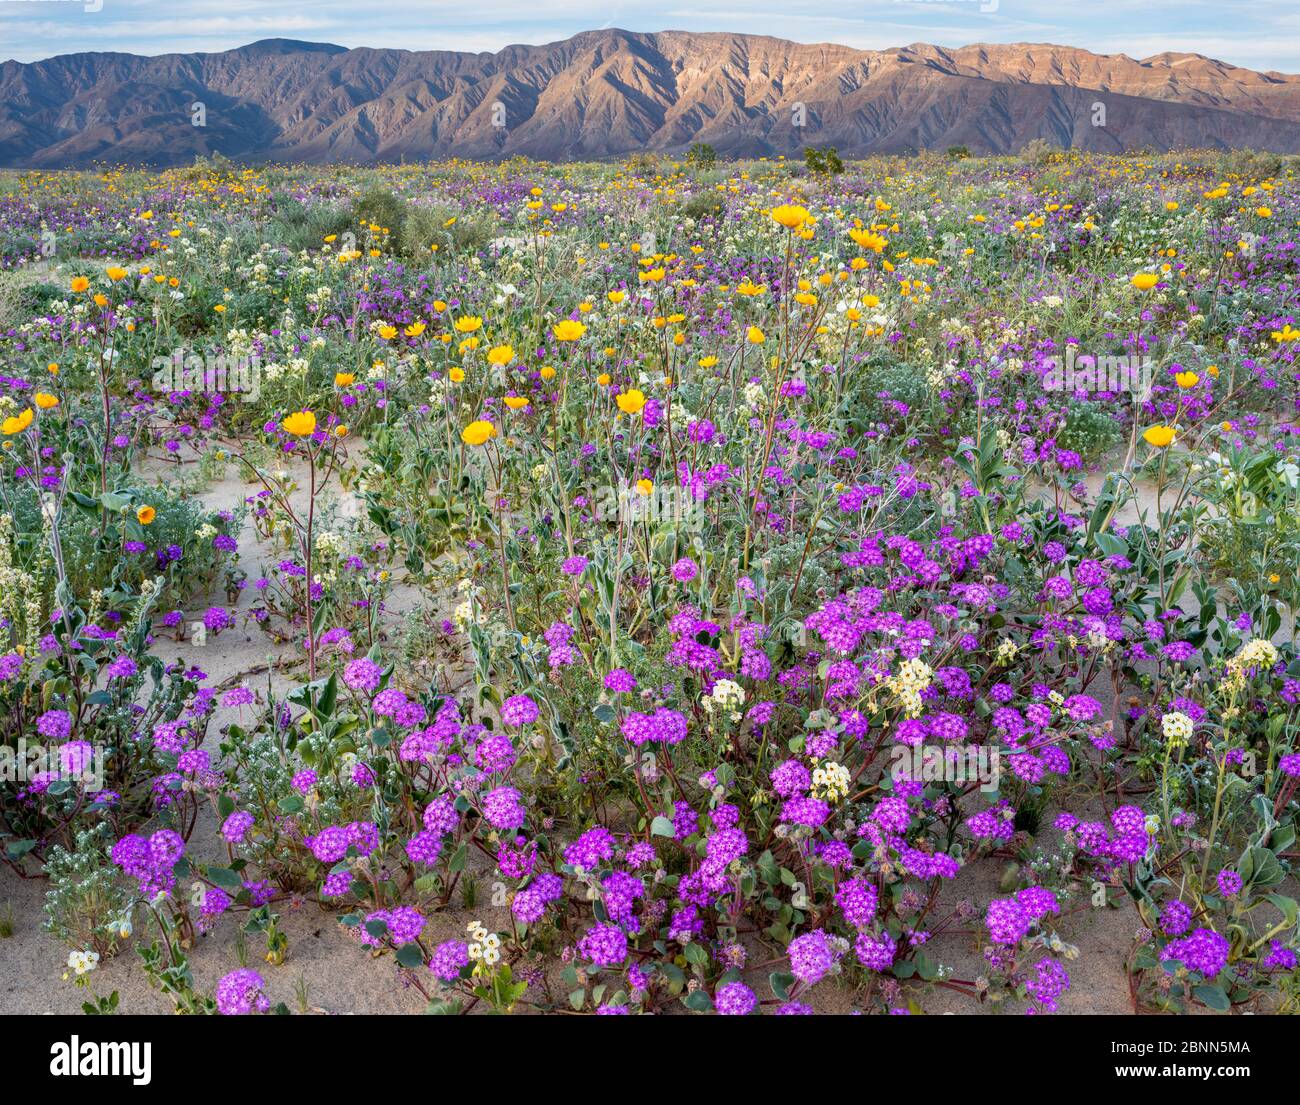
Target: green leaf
[410, 955]
[780, 983]
[1213, 997]
[225, 877]
[325, 707]
[661, 826]
[1286, 906]
[442, 1009]
[699, 1001]
[925, 967]
[696, 955]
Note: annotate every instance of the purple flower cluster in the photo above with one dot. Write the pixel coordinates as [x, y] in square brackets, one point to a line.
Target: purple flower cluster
[150, 862]
[1010, 919]
[529, 905]
[603, 945]
[664, 726]
[240, 993]
[332, 843]
[448, 959]
[503, 808]
[1204, 950]
[401, 925]
[812, 956]
[519, 710]
[735, 999]
[235, 827]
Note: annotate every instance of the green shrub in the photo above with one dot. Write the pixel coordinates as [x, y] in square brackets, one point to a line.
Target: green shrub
[1250, 164]
[1038, 152]
[703, 203]
[1089, 431]
[445, 228]
[93, 550]
[824, 162]
[298, 226]
[88, 905]
[701, 156]
[383, 208]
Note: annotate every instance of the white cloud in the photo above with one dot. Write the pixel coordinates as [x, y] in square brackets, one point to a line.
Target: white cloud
[1262, 34]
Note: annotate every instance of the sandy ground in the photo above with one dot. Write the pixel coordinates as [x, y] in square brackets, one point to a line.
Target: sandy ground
[338, 975]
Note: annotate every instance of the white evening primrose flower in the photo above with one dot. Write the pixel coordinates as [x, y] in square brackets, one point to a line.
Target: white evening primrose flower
[831, 781]
[726, 694]
[83, 962]
[1177, 728]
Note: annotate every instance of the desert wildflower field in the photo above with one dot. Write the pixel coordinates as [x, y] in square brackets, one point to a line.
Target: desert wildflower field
[654, 587]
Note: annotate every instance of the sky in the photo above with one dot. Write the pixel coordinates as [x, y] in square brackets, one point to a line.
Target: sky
[1259, 34]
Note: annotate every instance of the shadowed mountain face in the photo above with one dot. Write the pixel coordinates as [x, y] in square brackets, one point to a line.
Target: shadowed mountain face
[608, 93]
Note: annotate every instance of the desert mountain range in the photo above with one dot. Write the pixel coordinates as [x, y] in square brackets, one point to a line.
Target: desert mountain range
[611, 92]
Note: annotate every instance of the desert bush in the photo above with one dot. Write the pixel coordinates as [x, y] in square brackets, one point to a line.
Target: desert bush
[1038, 151]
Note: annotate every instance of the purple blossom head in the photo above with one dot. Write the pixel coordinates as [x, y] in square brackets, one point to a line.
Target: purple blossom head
[735, 999]
[55, 725]
[235, 828]
[604, 945]
[240, 993]
[685, 570]
[519, 710]
[362, 675]
[448, 959]
[620, 681]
